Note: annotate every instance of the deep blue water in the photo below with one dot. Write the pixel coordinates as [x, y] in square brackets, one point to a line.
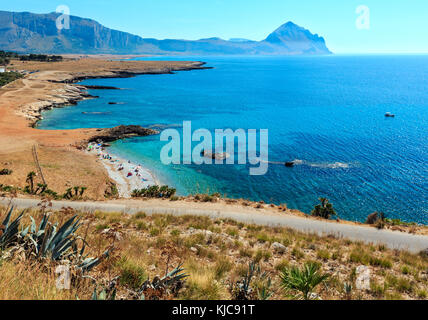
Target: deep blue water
[322, 110]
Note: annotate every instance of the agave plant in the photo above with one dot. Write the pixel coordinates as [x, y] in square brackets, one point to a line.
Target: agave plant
[87, 264]
[47, 240]
[9, 230]
[158, 288]
[245, 290]
[61, 243]
[107, 292]
[302, 280]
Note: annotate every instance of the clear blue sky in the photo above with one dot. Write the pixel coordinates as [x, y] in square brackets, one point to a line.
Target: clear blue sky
[396, 26]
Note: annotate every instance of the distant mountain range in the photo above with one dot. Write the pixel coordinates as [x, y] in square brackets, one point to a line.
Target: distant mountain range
[37, 33]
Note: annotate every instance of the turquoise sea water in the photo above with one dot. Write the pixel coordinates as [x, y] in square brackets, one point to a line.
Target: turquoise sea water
[326, 111]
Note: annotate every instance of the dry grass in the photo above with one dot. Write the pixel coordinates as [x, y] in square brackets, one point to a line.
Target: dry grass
[216, 252]
[21, 282]
[59, 174]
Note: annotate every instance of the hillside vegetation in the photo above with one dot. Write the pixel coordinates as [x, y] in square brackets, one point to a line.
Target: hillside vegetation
[187, 257]
[7, 77]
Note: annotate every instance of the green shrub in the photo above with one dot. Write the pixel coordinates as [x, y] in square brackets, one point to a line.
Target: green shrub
[296, 253]
[302, 281]
[361, 256]
[131, 275]
[154, 192]
[325, 210]
[222, 267]
[5, 172]
[7, 77]
[261, 255]
[323, 254]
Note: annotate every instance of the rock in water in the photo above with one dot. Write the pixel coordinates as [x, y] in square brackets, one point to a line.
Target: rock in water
[216, 156]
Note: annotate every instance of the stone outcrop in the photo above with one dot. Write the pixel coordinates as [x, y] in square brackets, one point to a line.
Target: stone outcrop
[216, 156]
[121, 132]
[278, 248]
[67, 95]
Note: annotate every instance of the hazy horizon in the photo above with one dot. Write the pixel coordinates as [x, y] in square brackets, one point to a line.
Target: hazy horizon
[393, 28]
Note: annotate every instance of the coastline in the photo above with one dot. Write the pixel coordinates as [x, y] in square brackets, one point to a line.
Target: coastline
[71, 92]
[127, 175]
[64, 161]
[61, 152]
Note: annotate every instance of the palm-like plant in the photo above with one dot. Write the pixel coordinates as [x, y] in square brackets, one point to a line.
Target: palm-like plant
[68, 194]
[41, 187]
[302, 280]
[30, 180]
[76, 191]
[82, 191]
[325, 210]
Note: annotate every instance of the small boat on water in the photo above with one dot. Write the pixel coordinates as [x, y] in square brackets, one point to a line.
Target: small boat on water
[289, 164]
[389, 115]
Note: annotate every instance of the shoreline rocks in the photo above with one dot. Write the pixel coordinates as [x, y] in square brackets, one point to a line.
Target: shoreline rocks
[72, 93]
[94, 87]
[216, 156]
[121, 132]
[66, 96]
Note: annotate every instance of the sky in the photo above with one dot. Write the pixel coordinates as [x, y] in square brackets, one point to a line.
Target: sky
[381, 26]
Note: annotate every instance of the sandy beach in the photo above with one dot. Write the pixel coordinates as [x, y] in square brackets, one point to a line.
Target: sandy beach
[127, 175]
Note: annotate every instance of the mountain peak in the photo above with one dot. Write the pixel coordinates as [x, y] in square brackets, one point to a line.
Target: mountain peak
[291, 34]
[37, 33]
[289, 24]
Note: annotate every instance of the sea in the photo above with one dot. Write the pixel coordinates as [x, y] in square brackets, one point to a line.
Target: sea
[325, 113]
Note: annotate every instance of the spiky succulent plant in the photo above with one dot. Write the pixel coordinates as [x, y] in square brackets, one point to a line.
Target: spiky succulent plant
[9, 230]
[48, 241]
[159, 287]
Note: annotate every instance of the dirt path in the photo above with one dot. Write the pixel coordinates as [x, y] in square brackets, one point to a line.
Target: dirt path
[392, 239]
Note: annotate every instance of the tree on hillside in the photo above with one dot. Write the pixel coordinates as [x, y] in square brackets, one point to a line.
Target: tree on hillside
[324, 210]
[30, 181]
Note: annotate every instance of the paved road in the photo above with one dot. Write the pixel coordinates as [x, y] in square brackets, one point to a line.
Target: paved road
[392, 239]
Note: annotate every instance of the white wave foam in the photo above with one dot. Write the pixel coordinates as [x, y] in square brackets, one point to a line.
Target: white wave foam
[298, 162]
